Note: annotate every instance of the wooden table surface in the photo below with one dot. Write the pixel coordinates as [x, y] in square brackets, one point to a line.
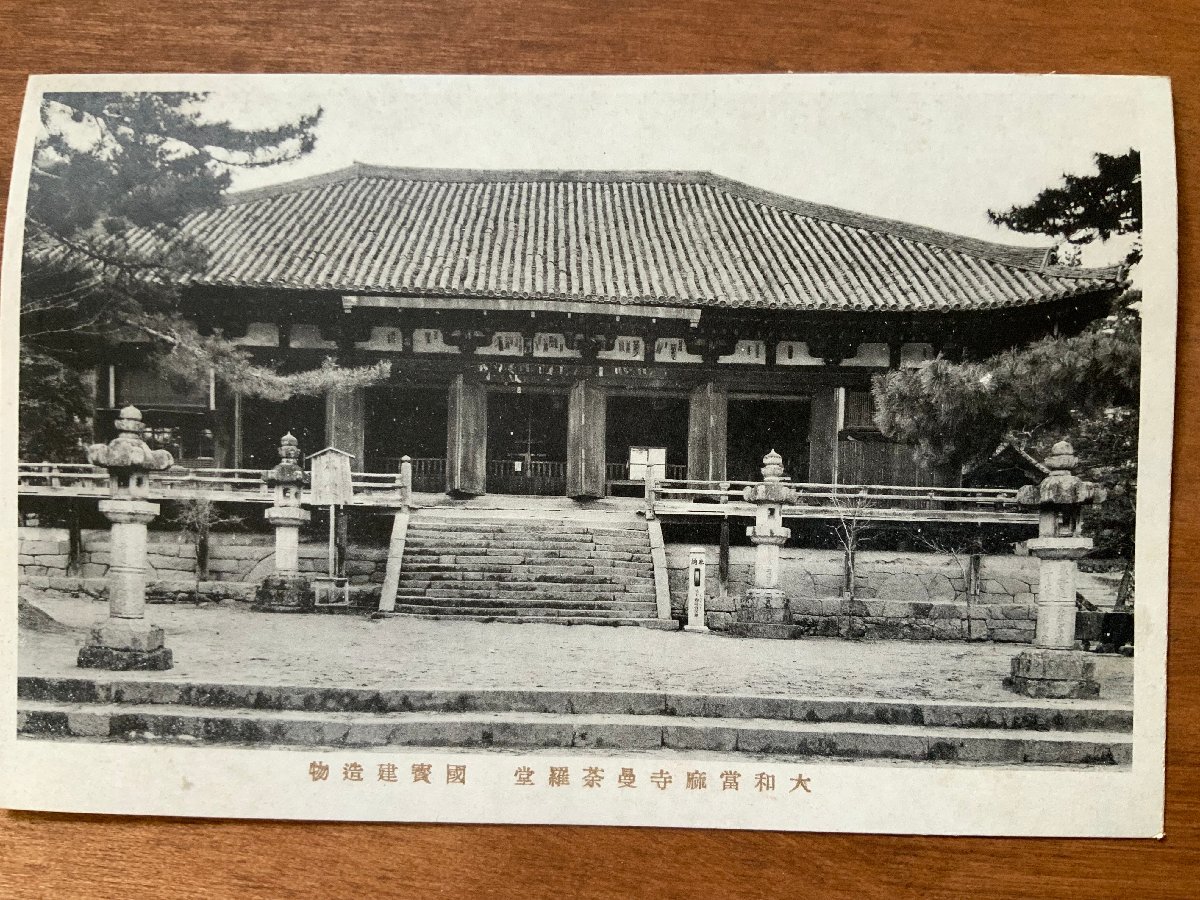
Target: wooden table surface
[63, 855]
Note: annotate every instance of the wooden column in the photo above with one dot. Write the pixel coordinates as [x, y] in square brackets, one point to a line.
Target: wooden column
[466, 438]
[823, 436]
[708, 418]
[346, 422]
[586, 414]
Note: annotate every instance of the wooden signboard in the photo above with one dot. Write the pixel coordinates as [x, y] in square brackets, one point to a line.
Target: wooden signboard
[331, 479]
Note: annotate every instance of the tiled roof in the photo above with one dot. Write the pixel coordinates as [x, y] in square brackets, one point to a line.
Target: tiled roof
[662, 238]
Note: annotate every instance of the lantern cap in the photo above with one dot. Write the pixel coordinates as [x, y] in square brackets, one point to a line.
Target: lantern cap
[128, 451]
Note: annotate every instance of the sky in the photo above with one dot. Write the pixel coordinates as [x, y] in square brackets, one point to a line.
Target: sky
[934, 151]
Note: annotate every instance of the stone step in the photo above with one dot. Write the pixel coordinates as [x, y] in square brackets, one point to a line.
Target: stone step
[564, 731]
[581, 605]
[463, 544]
[583, 538]
[522, 619]
[489, 593]
[538, 577]
[613, 570]
[525, 557]
[417, 607]
[457, 524]
[414, 581]
[1018, 713]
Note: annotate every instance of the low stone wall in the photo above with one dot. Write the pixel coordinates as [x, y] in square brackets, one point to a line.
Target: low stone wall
[236, 563]
[915, 596]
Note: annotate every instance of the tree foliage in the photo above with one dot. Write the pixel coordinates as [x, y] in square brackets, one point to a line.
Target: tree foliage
[113, 177]
[1085, 386]
[1085, 208]
[53, 409]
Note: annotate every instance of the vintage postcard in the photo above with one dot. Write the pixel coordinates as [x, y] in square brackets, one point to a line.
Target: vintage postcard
[784, 452]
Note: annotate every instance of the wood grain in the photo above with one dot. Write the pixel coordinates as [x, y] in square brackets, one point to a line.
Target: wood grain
[62, 855]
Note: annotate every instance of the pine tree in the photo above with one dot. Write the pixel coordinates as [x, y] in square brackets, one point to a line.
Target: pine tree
[113, 176]
[1084, 386]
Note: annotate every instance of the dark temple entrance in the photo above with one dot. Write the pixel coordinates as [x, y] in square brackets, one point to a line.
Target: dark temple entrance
[527, 443]
[645, 421]
[758, 425]
[265, 422]
[407, 421]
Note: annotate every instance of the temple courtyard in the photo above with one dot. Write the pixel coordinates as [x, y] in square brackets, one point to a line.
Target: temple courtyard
[230, 643]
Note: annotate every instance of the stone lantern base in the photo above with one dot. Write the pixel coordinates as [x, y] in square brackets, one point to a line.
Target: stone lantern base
[765, 613]
[119, 646]
[285, 594]
[1053, 674]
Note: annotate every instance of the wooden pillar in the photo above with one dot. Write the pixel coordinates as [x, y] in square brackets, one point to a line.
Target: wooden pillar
[466, 438]
[708, 418]
[239, 439]
[346, 422]
[586, 415]
[823, 435]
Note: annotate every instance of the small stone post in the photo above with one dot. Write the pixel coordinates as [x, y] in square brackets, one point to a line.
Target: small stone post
[697, 564]
[1053, 668]
[126, 640]
[286, 590]
[768, 534]
[405, 482]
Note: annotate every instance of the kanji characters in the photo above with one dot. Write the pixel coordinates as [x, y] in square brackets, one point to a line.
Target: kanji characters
[456, 774]
[764, 781]
[627, 779]
[661, 779]
[318, 771]
[352, 771]
[388, 772]
[696, 781]
[592, 776]
[800, 782]
[729, 780]
[523, 775]
[421, 772]
[559, 776]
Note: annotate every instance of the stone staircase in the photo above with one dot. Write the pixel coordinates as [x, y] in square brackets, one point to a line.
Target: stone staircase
[1030, 732]
[523, 566]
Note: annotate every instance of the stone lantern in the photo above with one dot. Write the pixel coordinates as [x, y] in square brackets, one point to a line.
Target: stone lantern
[286, 590]
[1053, 668]
[768, 534]
[126, 640]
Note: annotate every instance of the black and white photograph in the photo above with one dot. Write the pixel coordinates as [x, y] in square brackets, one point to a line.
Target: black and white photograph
[783, 452]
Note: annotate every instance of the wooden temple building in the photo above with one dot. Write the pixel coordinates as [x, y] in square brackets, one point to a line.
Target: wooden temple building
[546, 328]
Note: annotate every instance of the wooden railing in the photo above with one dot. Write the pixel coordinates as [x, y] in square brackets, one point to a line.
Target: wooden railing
[667, 497]
[683, 497]
[538, 468]
[229, 485]
[429, 472]
[620, 472]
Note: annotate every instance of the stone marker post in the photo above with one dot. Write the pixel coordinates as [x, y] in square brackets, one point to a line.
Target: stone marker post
[768, 534]
[286, 590]
[126, 640]
[1053, 668]
[697, 563]
[404, 482]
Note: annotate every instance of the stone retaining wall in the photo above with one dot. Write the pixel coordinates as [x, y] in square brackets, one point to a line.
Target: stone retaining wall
[236, 563]
[916, 596]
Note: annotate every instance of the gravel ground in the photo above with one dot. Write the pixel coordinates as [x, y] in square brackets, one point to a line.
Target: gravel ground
[233, 644]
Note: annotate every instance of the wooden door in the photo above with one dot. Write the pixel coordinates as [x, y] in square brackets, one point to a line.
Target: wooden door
[823, 436]
[708, 419]
[466, 438]
[586, 441]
